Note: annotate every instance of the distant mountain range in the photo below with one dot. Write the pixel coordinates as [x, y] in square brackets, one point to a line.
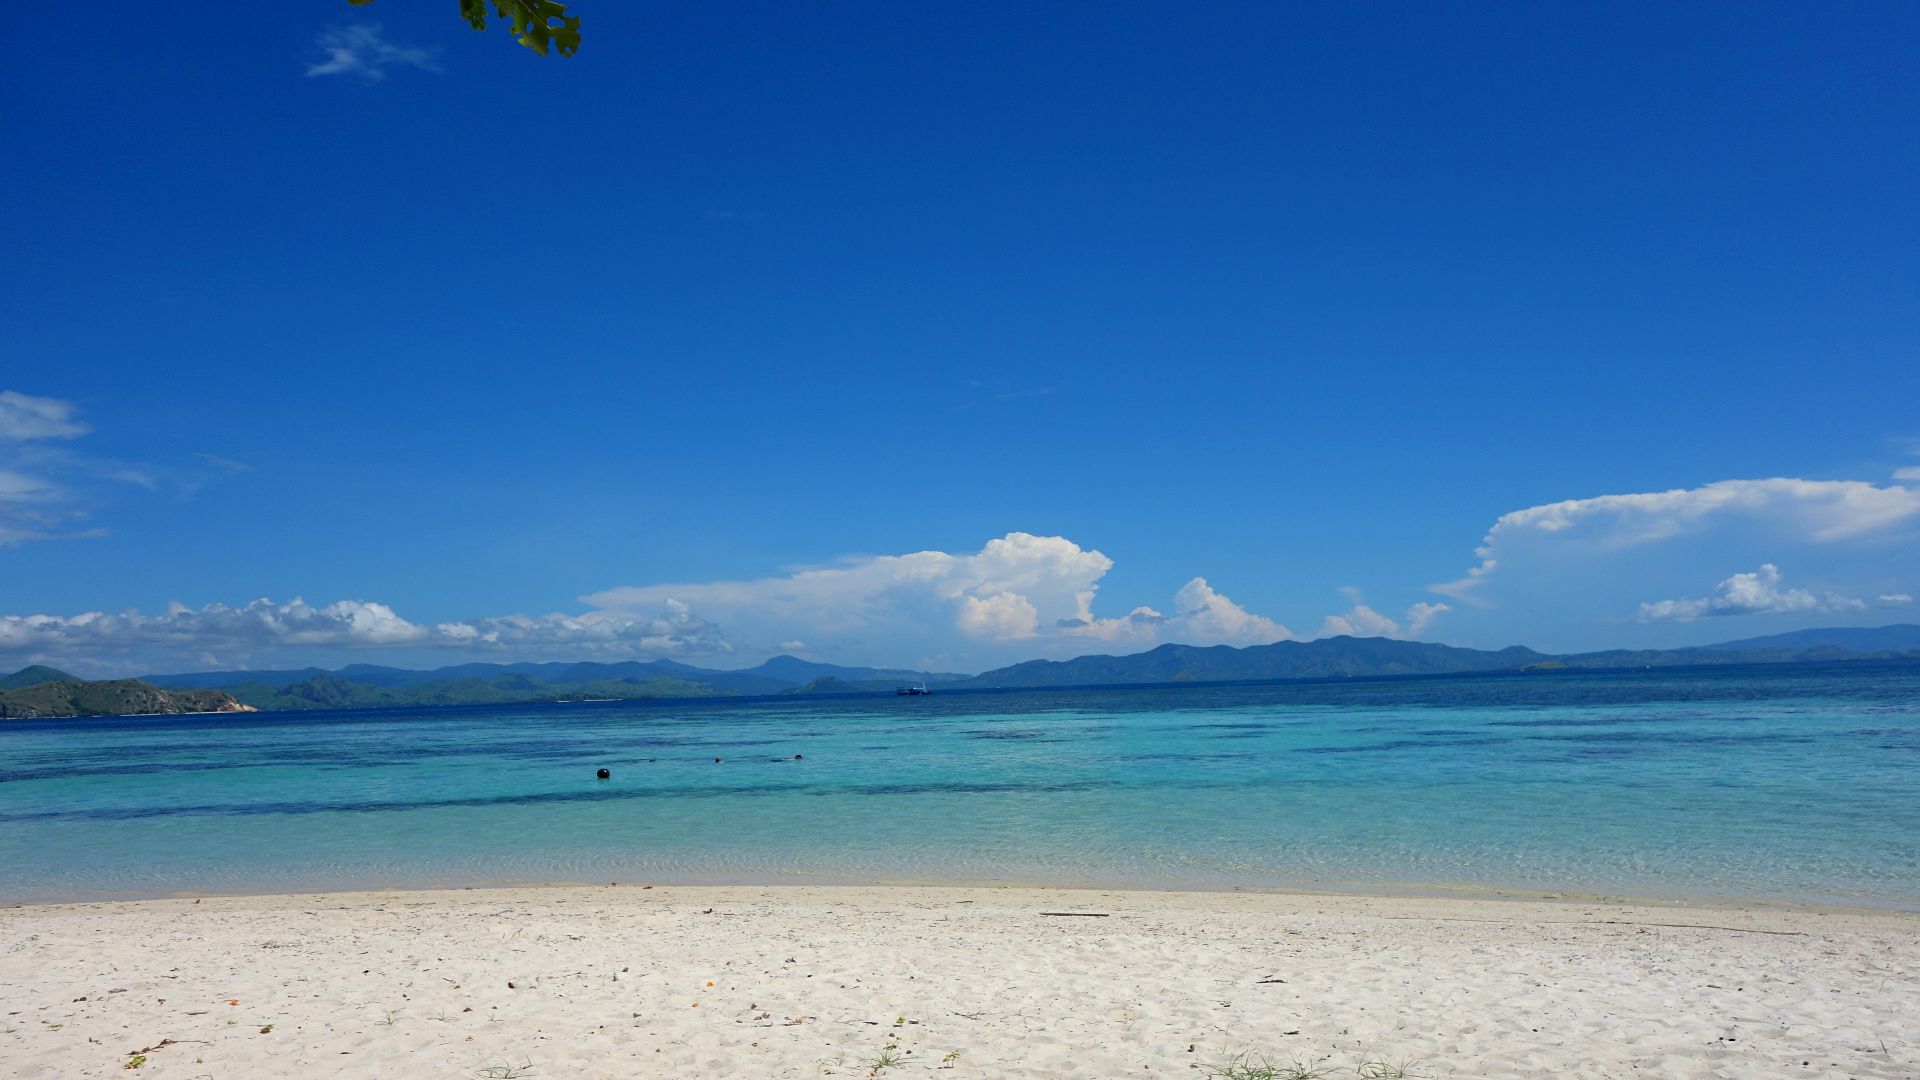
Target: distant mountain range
[44, 691]
[1282, 660]
[360, 686]
[1338, 656]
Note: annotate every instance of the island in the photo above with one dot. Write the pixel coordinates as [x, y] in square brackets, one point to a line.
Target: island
[37, 692]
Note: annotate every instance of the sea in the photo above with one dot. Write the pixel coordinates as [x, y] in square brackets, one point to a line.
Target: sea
[1791, 784]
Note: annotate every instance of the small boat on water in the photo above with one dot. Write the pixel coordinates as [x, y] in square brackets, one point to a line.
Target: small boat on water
[916, 690]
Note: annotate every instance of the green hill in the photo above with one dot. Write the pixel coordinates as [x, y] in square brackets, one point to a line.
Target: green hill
[31, 676]
[112, 697]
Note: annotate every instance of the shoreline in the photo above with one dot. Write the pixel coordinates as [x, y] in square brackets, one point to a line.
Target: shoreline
[806, 981]
[1490, 894]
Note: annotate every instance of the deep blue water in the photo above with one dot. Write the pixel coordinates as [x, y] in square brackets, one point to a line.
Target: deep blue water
[1791, 783]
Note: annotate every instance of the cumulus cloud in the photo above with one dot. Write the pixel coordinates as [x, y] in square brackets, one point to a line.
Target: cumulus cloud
[260, 624]
[1911, 472]
[1052, 574]
[1019, 592]
[1017, 588]
[1359, 621]
[671, 631]
[236, 633]
[1007, 616]
[1422, 613]
[1363, 621]
[1759, 592]
[1815, 511]
[1208, 615]
[362, 51]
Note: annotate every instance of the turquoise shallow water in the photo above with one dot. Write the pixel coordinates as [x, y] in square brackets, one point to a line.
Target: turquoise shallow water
[1781, 783]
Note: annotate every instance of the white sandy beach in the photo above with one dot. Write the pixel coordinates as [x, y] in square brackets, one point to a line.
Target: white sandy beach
[583, 982]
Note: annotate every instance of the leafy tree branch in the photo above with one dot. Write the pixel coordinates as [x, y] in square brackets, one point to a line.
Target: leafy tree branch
[538, 24]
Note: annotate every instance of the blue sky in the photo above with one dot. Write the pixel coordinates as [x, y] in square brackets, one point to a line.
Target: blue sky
[358, 306]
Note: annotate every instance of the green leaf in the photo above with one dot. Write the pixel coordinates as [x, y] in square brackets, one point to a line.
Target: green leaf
[540, 25]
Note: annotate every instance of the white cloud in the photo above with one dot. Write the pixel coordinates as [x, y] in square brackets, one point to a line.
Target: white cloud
[1359, 621]
[1208, 615]
[1815, 511]
[1018, 588]
[1006, 616]
[362, 51]
[236, 633]
[24, 417]
[1018, 596]
[1052, 573]
[1422, 613]
[214, 627]
[1363, 621]
[1911, 472]
[1895, 599]
[671, 631]
[1758, 592]
[1142, 625]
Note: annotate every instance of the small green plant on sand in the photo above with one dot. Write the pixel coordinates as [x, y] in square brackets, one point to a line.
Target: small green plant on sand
[948, 1061]
[1251, 1066]
[388, 1019]
[505, 1072]
[889, 1057]
[1378, 1069]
